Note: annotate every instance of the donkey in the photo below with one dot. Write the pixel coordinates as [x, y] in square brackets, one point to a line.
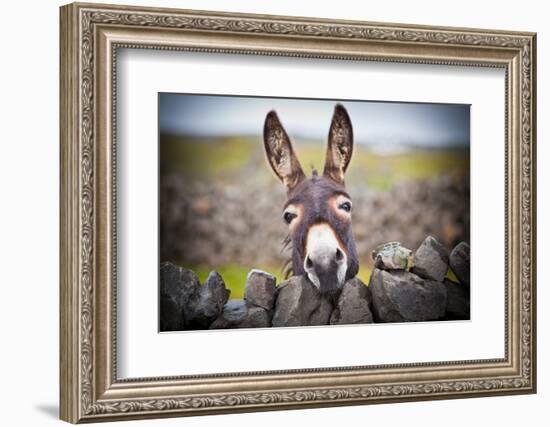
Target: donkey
[318, 209]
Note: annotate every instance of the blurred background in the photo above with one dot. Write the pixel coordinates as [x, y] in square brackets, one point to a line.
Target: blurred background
[221, 204]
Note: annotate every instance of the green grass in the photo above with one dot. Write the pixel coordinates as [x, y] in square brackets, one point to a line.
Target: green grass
[451, 276]
[364, 273]
[243, 157]
[234, 275]
[205, 157]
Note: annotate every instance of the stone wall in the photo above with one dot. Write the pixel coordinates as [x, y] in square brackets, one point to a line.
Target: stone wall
[404, 287]
[203, 223]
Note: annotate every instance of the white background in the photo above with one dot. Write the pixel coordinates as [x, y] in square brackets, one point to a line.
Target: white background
[29, 172]
[143, 74]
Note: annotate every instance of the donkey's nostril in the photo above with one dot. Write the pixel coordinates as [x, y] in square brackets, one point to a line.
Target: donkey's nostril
[309, 264]
[339, 255]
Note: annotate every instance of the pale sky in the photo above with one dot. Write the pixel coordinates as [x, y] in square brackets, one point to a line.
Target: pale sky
[378, 124]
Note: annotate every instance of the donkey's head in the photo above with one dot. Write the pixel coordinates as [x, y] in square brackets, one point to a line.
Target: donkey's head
[318, 209]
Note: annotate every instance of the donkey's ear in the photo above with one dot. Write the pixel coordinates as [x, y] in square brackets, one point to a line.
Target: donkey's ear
[340, 145]
[280, 153]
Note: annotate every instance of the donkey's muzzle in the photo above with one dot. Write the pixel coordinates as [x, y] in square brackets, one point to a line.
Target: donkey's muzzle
[325, 262]
[326, 270]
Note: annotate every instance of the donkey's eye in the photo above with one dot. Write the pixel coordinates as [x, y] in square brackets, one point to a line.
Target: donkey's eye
[346, 206]
[288, 217]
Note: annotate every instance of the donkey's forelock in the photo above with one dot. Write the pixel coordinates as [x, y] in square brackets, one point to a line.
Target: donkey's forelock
[318, 209]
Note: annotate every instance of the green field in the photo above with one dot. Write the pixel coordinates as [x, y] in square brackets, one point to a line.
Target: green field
[231, 158]
[238, 159]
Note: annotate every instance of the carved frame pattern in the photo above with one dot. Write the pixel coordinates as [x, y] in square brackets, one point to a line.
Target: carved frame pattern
[80, 401]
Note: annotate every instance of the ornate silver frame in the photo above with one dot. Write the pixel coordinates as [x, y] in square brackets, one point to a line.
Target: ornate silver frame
[90, 36]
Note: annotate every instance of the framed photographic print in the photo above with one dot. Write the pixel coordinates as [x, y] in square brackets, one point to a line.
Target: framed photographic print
[266, 212]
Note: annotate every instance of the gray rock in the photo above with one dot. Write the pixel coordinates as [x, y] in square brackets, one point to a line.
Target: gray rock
[431, 260]
[392, 256]
[240, 314]
[216, 288]
[460, 262]
[458, 300]
[257, 317]
[353, 305]
[321, 315]
[297, 299]
[401, 296]
[207, 302]
[177, 287]
[235, 311]
[260, 289]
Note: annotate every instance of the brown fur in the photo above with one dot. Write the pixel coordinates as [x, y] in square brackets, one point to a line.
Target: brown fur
[313, 195]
